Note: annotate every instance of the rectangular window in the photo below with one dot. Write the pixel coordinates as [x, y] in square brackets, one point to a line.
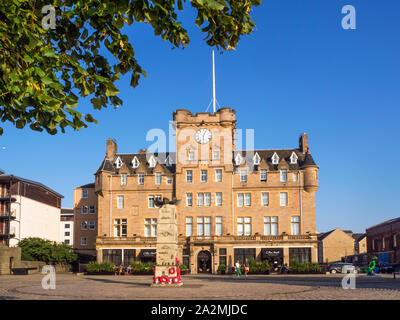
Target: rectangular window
[67, 234]
[189, 226]
[169, 180]
[120, 227]
[84, 225]
[84, 193]
[158, 178]
[83, 241]
[124, 178]
[247, 199]
[240, 226]
[243, 176]
[84, 209]
[120, 202]
[240, 199]
[207, 199]
[218, 199]
[67, 226]
[151, 200]
[270, 226]
[66, 241]
[150, 227]
[91, 225]
[189, 199]
[200, 199]
[295, 223]
[141, 178]
[191, 155]
[264, 199]
[283, 199]
[283, 175]
[92, 209]
[216, 155]
[200, 226]
[247, 226]
[203, 175]
[189, 176]
[218, 226]
[263, 175]
[207, 226]
[295, 177]
[218, 175]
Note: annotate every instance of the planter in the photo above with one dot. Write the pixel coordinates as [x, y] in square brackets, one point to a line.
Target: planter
[100, 273]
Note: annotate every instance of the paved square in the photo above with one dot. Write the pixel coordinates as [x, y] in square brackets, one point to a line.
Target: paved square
[268, 287]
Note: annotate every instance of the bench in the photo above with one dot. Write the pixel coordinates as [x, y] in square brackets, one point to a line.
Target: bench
[21, 271]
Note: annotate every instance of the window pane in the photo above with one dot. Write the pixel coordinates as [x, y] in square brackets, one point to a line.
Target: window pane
[239, 229]
[274, 229]
[267, 229]
[240, 199]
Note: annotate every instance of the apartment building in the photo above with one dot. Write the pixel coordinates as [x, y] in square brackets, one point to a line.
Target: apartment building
[67, 226]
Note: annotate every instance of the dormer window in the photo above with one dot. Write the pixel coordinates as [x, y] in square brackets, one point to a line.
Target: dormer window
[293, 158]
[135, 163]
[238, 159]
[118, 163]
[256, 159]
[152, 162]
[275, 158]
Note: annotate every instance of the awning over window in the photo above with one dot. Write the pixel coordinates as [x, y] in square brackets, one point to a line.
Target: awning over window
[147, 253]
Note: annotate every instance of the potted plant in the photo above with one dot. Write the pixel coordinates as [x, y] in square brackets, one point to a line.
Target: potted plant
[184, 269]
[221, 269]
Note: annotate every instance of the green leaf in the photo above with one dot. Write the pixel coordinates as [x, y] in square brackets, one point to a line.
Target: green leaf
[111, 90]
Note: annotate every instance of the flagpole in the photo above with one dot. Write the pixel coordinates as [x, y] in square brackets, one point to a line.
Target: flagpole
[213, 62]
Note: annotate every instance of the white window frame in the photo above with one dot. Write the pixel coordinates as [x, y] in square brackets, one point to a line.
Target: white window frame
[85, 193]
[207, 199]
[124, 179]
[84, 225]
[92, 211]
[215, 155]
[83, 243]
[203, 176]
[295, 223]
[293, 158]
[191, 156]
[189, 176]
[189, 224]
[283, 201]
[200, 199]
[84, 210]
[135, 162]
[118, 163]
[157, 178]
[218, 175]
[256, 159]
[243, 176]
[150, 227]
[168, 180]
[218, 226]
[152, 162]
[91, 225]
[240, 200]
[283, 175]
[275, 158]
[120, 202]
[141, 178]
[189, 199]
[247, 199]
[218, 199]
[238, 159]
[262, 173]
[265, 195]
[270, 222]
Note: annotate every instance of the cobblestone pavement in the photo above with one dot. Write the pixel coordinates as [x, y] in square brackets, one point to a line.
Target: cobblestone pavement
[269, 287]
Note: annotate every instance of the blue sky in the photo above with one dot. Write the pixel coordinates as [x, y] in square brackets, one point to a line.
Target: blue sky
[299, 72]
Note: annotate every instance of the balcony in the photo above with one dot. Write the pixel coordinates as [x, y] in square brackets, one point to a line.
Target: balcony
[7, 199]
[8, 215]
[7, 234]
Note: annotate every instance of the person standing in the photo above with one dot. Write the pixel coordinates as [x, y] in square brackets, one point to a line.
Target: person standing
[246, 267]
[237, 267]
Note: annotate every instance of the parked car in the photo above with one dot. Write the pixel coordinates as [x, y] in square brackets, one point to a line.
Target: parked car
[385, 267]
[342, 267]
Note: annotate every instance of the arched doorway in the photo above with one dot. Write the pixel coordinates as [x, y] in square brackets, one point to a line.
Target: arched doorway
[204, 262]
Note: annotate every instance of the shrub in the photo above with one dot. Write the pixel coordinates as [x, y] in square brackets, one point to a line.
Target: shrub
[183, 267]
[221, 267]
[94, 266]
[37, 249]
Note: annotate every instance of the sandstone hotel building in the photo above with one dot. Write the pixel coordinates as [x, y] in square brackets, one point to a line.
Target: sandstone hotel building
[233, 204]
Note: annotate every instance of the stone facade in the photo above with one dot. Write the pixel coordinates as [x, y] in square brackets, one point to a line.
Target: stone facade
[335, 245]
[234, 211]
[9, 258]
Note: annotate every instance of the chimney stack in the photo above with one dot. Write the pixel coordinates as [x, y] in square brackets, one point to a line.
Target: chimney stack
[303, 143]
[111, 149]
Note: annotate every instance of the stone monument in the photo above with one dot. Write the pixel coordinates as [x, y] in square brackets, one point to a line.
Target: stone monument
[167, 272]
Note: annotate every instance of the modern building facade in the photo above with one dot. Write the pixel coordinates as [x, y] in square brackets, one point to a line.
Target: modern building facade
[67, 226]
[233, 204]
[383, 241]
[27, 209]
[85, 219]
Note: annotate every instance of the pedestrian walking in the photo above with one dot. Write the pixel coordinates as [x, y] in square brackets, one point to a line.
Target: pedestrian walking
[246, 267]
[237, 267]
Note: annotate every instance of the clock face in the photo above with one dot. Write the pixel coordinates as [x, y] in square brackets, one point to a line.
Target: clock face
[203, 136]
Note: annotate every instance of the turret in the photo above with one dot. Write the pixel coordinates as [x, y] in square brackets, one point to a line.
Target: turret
[310, 170]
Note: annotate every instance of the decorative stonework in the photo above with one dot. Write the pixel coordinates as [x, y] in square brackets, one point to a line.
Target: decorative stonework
[167, 271]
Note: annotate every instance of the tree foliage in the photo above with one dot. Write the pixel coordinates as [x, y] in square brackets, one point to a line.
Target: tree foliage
[43, 72]
[37, 249]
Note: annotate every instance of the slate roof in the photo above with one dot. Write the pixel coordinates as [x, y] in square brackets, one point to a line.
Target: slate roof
[387, 222]
[86, 186]
[322, 236]
[303, 160]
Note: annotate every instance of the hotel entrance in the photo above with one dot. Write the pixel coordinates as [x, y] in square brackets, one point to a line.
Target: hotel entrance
[274, 256]
[204, 262]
